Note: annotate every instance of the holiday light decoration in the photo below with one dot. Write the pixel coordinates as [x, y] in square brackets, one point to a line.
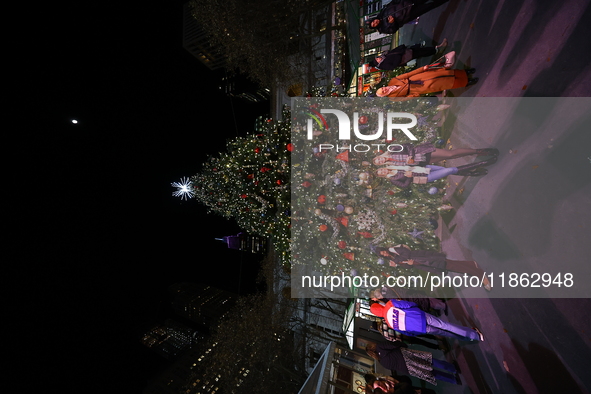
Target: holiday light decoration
[184, 189]
[249, 182]
[340, 208]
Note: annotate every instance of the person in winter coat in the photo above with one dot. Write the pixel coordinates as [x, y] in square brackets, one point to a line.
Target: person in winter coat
[402, 54]
[399, 12]
[407, 318]
[393, 336]
[424, 302]
[425, 80]
[396, 356]
[429, 260]
[426, 153]
[403, 175]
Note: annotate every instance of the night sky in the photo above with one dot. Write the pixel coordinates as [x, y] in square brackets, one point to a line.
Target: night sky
[98, 237]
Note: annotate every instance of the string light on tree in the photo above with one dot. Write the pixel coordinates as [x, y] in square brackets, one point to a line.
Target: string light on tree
[184, 189]
[346, 209]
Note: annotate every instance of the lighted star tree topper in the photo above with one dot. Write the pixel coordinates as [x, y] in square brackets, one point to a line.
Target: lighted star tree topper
[184, 189]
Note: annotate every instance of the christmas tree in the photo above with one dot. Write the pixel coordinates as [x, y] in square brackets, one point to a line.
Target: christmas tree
[328, 204]
[250, 181]
[341, 210]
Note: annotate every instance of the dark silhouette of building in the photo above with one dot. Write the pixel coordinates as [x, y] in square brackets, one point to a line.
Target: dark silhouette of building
[204, 305]
[169, 339]
[197, 42]
[199, 303]
[177, 377]
[240, 87]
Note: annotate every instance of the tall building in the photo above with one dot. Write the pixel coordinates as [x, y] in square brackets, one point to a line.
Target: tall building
[181, 376]
[197, 42]
[240, 87]
[202, 304]
[169, 339]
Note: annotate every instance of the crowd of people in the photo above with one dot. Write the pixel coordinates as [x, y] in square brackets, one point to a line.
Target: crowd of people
[411, 314]
[432, 78]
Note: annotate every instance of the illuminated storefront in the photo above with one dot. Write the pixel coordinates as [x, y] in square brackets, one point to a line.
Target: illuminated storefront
[338, 371]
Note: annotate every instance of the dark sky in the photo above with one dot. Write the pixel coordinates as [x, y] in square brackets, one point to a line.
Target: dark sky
[98, 236]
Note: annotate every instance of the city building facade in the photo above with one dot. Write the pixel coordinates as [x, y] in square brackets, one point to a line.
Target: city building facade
[201, 304]
[169, 339]
[198, 44]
